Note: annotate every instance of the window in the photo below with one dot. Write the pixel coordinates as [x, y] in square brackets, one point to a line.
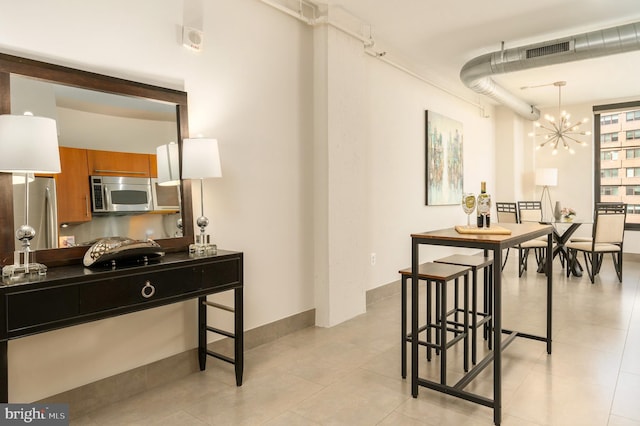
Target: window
[633, 153]
[618, 182]
[633, 134]
[633, 190]
[608, 119]
[633, 209]
[633, 172]
[633, 115]
[609, 137]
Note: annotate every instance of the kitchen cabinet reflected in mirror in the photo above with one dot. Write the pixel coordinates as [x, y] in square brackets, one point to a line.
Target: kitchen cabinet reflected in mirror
[99, 134]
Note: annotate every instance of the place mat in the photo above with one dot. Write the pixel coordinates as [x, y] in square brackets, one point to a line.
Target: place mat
[493, 230]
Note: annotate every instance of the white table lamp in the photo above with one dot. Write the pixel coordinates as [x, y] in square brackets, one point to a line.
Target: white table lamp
[546, 178]
[168, 162]
[28, 145]
[201, 160]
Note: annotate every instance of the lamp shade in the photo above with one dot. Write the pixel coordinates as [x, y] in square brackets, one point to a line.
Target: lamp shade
[28, 144]
[200, 159]
[168, 164]
[546, 177]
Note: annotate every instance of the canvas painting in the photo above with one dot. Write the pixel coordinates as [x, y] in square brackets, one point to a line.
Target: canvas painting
[444, 173]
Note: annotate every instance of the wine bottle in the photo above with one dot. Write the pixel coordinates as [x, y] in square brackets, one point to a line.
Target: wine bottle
[484, 207]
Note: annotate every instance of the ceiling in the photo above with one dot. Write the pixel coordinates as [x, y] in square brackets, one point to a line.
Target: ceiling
[436, 38]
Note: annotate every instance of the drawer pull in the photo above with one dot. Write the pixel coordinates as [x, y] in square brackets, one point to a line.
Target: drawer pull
[148, 290]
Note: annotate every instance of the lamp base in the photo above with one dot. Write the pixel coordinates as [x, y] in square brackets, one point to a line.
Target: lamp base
[24, 266]
[203, 246]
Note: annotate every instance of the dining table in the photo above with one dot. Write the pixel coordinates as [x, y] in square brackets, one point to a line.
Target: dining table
[489, 244]
[563, 230]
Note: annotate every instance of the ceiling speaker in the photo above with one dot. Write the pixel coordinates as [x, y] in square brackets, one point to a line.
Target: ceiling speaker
[192, 38]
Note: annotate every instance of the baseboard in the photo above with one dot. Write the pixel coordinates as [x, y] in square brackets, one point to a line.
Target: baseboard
[92, 396]
[387, 290]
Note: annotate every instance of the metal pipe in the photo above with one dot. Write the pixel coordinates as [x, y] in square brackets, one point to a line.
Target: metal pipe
[476, 73]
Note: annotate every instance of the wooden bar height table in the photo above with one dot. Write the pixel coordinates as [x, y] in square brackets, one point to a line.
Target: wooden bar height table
[487, 242]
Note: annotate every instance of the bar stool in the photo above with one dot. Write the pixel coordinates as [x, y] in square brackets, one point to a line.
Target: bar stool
[440, 274]
[476, 262]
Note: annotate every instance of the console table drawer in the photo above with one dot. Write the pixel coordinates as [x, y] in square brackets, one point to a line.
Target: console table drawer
[137, 289]
[29, 308]
[221, 274]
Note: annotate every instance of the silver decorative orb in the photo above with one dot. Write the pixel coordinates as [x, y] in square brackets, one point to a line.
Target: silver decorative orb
[202, 222]
[25, 232]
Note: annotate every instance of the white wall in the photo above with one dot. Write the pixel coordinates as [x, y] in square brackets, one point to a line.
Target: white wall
[255, 94]
[397, 104]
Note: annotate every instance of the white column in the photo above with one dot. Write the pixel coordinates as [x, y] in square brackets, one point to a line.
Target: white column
[514, 157]
[340, 177]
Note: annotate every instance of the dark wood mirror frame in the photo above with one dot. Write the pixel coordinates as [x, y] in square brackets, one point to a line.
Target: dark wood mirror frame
[78, 78]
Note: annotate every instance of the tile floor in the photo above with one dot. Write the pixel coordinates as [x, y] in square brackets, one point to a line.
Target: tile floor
[350, 374]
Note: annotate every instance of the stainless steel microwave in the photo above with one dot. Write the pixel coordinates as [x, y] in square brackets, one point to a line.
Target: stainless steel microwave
[113, 194]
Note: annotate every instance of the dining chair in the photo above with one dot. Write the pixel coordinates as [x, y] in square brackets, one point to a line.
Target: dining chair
[531, 211]
[599, 207]
[607, 237]
[507, 213]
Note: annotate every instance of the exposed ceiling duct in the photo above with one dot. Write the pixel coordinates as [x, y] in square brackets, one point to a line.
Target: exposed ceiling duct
[476, 73]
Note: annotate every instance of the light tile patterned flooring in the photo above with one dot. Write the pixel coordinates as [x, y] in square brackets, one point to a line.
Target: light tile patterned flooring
[350, 374]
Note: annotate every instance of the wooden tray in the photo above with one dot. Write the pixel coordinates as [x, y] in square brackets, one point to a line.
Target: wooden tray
[493, 230]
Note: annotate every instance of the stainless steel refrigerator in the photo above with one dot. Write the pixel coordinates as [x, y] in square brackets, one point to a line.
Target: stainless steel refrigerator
[43, 211]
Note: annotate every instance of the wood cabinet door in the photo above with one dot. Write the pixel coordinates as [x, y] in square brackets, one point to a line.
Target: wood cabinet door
[153, 165]
[109, 163]
[72, 185]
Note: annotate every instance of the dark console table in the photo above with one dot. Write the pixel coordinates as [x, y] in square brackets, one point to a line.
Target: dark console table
[71, 295]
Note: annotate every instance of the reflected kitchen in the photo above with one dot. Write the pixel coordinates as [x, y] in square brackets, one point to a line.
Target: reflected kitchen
[109, 180]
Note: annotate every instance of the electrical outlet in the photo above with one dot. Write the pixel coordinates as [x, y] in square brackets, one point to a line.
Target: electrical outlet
[373, 259]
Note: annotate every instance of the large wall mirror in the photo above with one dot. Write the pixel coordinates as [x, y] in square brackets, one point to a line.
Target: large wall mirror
[96, 113]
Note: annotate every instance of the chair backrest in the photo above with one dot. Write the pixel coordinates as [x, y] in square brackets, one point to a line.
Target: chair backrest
[611, 207]
[608, 226]
[507, 212]
[530, 211]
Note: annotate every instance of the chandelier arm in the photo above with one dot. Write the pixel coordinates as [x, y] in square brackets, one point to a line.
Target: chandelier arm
[552, 141]
[564, 143]
[549, 129]
[575, 140]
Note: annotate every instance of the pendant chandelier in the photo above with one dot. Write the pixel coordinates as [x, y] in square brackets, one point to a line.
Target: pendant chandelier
[560, 133]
